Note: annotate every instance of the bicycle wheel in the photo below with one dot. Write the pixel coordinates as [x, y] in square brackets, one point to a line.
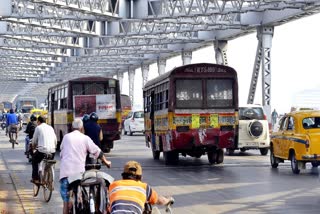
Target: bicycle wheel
[36, 188]
[47, 184]
[13, 139]
[83, 207]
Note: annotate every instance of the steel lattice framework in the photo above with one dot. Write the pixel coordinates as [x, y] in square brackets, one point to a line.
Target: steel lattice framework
[53, 40]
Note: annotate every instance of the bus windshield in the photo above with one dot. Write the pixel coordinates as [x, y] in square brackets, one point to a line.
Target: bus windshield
[26, 109]
[219, 93]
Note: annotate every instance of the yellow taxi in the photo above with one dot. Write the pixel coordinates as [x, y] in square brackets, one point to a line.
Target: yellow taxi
[37, 112]
[297, 140]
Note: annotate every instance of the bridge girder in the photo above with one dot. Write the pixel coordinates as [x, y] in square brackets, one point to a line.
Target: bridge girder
[81, 36]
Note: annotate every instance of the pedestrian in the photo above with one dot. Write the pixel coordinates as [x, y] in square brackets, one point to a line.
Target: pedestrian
[274, 117]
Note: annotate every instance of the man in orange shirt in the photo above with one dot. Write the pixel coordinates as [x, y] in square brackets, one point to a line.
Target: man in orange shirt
[130, 194]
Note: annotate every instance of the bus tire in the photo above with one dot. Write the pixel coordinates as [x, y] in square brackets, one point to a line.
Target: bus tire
[220, 156]
[243, 150]
[230, 151]
[171, 157]
[212, 156]
[60, 141]
[105, 148]
[156, 154]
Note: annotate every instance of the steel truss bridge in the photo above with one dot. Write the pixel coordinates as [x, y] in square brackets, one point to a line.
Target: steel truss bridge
[43, 42]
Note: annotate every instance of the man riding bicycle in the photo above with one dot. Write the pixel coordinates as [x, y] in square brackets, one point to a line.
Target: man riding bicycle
[130, 194]
[45, 142]
[12, 124]
[31, 126]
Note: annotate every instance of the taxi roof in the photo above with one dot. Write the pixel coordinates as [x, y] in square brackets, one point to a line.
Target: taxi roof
[305, 113]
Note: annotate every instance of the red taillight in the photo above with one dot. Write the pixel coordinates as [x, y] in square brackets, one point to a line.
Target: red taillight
[270, 127]
[307, 144]
[264, 117]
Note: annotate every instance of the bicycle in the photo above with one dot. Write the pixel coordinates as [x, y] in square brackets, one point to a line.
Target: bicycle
[46, 174]
[89, 190]
[28, 148]
[13, 132]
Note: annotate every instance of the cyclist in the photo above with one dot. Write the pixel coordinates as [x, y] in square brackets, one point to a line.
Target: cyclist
[93, 129]
[12, 123]
[73, 151]
[5, 121]
[45, 142]
[31, 126]
[130, 194]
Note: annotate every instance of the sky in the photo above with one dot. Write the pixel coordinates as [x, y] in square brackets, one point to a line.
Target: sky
[295, 61]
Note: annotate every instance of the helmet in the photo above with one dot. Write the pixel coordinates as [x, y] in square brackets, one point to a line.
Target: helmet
[94, 116]
[85, 118]
[33, 117]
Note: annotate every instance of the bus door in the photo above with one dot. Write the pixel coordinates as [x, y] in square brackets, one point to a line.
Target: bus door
[152, 108]
[52, 109]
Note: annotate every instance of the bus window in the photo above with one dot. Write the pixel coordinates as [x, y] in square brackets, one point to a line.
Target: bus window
[77, 89]
[93, 88]
[189, 90]
[219, 93]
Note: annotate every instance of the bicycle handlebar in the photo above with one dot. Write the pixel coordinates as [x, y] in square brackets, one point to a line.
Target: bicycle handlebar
[168, 206]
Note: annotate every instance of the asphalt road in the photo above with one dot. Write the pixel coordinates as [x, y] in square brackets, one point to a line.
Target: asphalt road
[244, 183]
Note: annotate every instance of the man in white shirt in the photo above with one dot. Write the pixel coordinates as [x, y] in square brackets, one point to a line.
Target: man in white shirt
[74, 149]
[45, 143]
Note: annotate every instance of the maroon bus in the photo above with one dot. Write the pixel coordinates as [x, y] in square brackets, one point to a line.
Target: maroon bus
[85, 95]
[192, 110]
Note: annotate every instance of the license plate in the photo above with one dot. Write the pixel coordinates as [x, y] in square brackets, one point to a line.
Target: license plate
[227, 119]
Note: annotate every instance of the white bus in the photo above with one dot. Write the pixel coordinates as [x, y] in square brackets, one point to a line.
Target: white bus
[26, 104]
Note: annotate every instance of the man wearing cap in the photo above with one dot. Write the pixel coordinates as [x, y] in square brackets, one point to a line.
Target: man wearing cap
[74, 148]
[130, 194]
